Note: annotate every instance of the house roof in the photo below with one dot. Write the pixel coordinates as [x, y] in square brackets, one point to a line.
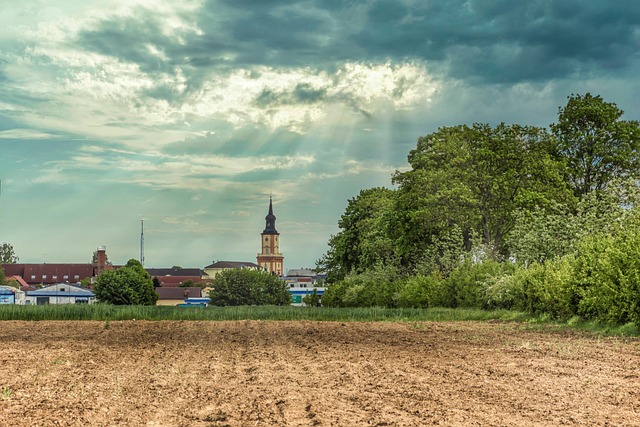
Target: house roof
[301, 272]
[179, 293]
[49, 273]
[177, 280]
[21, 281]
[55, 291]
[233, 264]
[189, 272]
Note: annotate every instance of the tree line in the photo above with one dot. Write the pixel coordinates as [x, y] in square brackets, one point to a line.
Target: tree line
[511, 216]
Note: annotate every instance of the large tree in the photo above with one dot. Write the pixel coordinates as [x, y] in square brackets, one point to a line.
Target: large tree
[248, 287]
[7, 254]
[474, 179]
[598, 146]
[128, 285]
[362, 241]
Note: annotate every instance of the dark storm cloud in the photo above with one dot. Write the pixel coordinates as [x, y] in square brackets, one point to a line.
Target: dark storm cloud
[506, 41]
[129, 39]
[480, 41]
[303, 93]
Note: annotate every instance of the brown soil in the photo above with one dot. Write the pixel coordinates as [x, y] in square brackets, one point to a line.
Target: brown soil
[253, 373]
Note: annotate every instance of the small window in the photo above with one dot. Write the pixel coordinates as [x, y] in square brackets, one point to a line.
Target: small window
[44, 276]
[54, 277]
[76, 276]
[66, 276]
[33, 276]
[62, 289]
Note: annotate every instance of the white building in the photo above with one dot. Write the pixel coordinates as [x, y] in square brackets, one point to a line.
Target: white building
[60, 293]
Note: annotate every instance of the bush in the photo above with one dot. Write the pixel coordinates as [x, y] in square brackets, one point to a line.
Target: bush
[248, 287]
[548, 288]
[607, 273]
[421, 292]
[373, 288]
[128, 285]
[466, 285]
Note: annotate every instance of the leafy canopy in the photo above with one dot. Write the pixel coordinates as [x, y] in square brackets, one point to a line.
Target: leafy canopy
[128, 285]
[597, 145]
[7, 254]
[235, 287]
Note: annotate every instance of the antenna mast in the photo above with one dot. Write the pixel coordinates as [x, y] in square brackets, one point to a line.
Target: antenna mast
[142, 242]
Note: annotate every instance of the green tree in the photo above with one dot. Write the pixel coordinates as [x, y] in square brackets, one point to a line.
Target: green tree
[187, 283]
[540, 235]
[7, 254]
[474, 179]
[312, 300]
[362, 241]
[128, 285]
[596, 144]
[235, 287]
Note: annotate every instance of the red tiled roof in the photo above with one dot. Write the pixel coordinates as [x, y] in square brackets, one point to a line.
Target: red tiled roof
[49, 273]
[179, 293]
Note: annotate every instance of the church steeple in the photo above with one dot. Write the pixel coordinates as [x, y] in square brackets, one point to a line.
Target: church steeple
[270, 258]
[270, 227]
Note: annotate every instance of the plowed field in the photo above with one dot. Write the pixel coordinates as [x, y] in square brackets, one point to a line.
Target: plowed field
[253, 373]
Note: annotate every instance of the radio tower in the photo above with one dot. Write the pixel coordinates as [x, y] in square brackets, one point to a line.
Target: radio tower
[142, 242]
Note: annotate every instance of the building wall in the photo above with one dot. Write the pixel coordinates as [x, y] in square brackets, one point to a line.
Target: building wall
[270, 258]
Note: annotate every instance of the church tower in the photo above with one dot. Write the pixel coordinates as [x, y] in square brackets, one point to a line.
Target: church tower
[270, 258]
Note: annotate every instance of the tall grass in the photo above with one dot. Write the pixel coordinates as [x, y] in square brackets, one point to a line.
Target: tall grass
[105, 312]
[363, 314]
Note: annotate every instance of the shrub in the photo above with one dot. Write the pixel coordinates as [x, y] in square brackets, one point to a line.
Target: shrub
[129, 285]
[466, 284]
[373, 288]
[248, 287]
[607, 273]
[548, 288]
[421, 292]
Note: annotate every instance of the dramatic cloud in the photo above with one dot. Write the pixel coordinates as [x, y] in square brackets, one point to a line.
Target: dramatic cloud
[189, 114]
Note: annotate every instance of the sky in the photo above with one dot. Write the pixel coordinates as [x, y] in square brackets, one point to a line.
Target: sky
[190, 114]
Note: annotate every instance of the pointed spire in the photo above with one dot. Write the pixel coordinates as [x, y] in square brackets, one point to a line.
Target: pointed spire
[270, 219]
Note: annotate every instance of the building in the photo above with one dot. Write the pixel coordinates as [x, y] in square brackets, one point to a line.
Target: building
[60, 293]
[219, 266]
[176, 276]
[176, 296]
[49, 274]
[9, 295]
[302, 282]
[270, 258]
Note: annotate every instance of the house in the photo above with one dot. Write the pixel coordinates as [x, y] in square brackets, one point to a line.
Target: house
[175, 296]
[50, 274]
[9, 295]
[176, 276]
[219, 266]
[302, 282]
[60, 293]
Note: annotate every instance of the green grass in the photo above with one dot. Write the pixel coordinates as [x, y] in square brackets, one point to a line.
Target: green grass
[107, 313]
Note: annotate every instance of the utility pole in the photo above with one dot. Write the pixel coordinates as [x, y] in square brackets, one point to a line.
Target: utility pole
[142, 242]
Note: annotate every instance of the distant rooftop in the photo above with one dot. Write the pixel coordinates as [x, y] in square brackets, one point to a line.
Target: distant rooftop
[233, 264]
[158, 272]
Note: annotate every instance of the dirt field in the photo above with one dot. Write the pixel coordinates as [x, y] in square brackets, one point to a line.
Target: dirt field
[253, 373]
